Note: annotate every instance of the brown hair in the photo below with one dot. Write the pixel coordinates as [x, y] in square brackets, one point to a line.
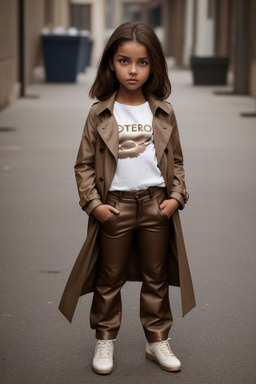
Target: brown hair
[158, 83]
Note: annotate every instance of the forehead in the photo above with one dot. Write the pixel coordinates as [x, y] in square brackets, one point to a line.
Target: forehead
[132, 49]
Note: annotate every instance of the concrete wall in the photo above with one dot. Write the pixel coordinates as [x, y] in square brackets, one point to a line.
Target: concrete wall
[173, 25]
[60, 13]
[252, 49]
[34, 16]
[204, 30]
[8, 51]
[37, 15]
[98, 26]
[188, 33]
[223, 27]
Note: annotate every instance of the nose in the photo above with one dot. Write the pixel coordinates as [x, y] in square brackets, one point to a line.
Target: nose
[132, 69]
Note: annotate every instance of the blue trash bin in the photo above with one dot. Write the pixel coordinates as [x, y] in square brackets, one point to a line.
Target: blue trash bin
[61, 55]
[89, 55]
[84, 53]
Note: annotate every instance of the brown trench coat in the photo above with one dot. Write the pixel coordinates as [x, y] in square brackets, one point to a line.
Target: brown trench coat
[95, 168]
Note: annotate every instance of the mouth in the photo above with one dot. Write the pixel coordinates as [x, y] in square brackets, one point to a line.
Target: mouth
[132, 81]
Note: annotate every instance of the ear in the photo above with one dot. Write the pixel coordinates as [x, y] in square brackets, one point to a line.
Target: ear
[110, 63]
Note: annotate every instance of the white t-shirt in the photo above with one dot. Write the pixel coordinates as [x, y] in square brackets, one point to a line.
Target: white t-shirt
[137, 163]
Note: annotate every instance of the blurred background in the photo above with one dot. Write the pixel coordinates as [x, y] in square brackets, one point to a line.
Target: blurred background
[186, 28]
[49, 50]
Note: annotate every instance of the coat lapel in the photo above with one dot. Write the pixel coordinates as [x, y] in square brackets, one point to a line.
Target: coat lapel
[162, 132]
[161, 128]
[108, 131]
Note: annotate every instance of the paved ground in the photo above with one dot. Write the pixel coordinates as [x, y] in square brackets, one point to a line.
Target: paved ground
[42, 229]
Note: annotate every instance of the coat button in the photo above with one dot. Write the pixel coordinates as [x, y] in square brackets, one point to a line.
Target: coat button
[101, 179]
[166, 150]
[101, 149]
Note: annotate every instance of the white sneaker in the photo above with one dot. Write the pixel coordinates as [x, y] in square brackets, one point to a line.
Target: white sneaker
[162, 354]
[103, 357]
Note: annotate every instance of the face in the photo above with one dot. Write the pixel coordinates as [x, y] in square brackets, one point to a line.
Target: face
[131, 65]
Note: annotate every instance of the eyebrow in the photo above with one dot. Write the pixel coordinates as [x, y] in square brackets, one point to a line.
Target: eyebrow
[127, 57]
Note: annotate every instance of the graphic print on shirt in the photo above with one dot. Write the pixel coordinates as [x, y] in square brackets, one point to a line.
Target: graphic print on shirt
[137, 166]
[133, 139]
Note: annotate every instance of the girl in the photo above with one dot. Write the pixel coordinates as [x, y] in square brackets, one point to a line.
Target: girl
[130, 179]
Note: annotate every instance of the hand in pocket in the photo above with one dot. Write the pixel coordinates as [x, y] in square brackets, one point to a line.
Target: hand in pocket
[169, 206]
[103, 212]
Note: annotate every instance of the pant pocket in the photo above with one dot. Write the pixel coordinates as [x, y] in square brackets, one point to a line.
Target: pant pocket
[158, 199]
[114, 203]
[109, 218]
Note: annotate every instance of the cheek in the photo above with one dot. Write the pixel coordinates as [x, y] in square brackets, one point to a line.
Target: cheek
[147, 72]
[120, 72]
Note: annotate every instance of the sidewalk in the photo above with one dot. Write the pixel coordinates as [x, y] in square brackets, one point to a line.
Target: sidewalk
[43, 228]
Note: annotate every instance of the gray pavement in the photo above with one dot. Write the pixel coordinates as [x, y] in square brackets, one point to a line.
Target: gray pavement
[42, 230]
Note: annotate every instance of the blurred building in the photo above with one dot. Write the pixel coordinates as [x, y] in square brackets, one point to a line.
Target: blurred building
[185, 28]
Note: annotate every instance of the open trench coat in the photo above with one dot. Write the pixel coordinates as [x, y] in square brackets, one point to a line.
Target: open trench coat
[95, 169]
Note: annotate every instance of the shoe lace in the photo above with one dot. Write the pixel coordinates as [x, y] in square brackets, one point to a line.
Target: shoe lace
[104, 349]
[165, 348]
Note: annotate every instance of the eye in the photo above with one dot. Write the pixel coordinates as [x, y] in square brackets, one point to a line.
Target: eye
[143, 63]
[123, 61]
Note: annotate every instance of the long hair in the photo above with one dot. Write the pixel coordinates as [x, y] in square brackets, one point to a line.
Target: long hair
[158, 83]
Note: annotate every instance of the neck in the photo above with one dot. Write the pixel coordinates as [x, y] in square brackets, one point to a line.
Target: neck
[130, 98]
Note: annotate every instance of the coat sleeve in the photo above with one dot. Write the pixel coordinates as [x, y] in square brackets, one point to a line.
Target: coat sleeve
[85, 166]
[178, 188]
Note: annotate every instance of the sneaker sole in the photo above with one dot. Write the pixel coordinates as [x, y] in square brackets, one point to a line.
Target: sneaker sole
[102, 371]
[169, 369]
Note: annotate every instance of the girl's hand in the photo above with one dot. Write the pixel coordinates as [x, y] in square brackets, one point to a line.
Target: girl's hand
[103, 211]
[169, 206]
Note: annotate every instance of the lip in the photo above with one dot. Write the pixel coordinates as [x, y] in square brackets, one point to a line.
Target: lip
[132, 81]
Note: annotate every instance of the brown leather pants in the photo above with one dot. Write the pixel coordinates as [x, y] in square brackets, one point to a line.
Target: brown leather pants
[140, 214]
